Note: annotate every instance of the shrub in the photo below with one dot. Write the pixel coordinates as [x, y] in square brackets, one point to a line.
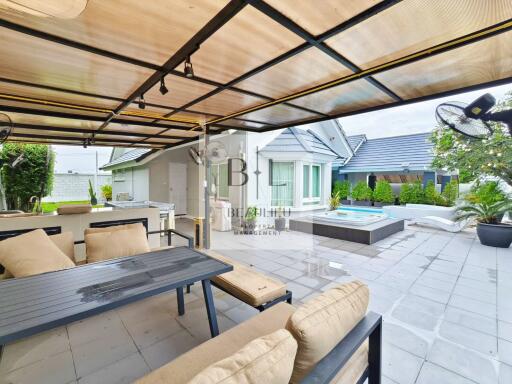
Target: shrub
[342, 189]
[405, 193]
[486, 193]
[450, 192]
[361, 191]
[334, 201]
[417, 194]
[430, 193]
[383, 192]
[106, 191]
[32, 177]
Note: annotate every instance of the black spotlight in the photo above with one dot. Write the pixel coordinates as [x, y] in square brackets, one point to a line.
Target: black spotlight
[142, 103]
[163, 88]
[189, 71]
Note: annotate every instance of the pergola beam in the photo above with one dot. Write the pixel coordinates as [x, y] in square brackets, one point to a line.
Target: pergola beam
[311, 40]
[78, 139]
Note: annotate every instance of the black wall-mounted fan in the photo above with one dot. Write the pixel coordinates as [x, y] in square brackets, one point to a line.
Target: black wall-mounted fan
[215, 152]
[5, 127]
[473, 120]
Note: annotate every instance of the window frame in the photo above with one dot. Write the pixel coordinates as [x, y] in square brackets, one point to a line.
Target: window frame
[293, 180]
[217, 166]
[309, 198]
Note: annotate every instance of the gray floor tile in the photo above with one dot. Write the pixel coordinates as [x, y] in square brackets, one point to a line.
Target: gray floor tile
[288, 273]
[422, 304]
[415, 318]
[434, 374]
[168, 349]
[56, 369]
[405, 339]
[462, 361]
[148, 332]
[299, 290]
[433, 294]
[442, 285]
[400, 366]
[505, 330]
[124, 371]
[471, 305]
[505, 351]
[312, 282]
[469, 338]
[475, 293]
[471, 320]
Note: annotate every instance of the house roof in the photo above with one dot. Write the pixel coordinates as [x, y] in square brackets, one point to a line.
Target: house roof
[413, 152]
[355, 140]
[127, 157]
[299, 140]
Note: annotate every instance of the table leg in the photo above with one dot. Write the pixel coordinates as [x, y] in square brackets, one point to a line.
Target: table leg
[210, 307]
[181, 301]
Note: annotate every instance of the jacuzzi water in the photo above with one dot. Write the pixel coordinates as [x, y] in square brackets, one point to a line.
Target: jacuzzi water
[351, 216]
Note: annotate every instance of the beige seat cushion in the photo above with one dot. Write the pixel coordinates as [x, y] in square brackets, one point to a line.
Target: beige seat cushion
[321, 323]
[32, 253]
[66, 243]
[113, 228]
[248, 285]
[71, 209]
[106, 245]
[268, 359]
[182, 369]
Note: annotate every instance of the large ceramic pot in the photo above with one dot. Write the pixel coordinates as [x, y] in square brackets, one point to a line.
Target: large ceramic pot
[381, 204]
[495, 235]
[362, 203]
[280, 224]
[94, 201]
[346, 202]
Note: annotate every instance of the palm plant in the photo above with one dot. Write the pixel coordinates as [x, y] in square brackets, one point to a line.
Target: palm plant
[334, 201]
[484, 212]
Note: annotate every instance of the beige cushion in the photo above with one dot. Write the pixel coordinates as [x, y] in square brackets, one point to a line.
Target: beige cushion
[268, 359]
[186, 366]
[248, 285]
[71, 209]
[32, 253]
[321, 323]
[105, 245]
[66, 243]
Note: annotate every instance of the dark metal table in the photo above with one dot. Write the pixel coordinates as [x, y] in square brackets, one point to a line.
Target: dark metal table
[38, 303]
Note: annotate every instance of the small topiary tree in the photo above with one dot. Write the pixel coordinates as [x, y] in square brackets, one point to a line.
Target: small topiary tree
[417, 195]
[451, 192]
[361, 191]
[342, 189]
[383, 192]
[32, 177]
[405, 193]
[430, 193]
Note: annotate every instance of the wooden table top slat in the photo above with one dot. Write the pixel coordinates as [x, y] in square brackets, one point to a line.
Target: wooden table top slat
[33, 304]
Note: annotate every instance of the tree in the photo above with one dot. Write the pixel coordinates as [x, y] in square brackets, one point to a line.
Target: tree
[32, 177]
[431, 195]
[473, 158]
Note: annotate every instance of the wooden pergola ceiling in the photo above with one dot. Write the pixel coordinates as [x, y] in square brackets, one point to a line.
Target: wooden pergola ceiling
[258, 65]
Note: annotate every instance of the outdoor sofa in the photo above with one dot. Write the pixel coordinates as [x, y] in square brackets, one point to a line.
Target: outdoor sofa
[329, 339]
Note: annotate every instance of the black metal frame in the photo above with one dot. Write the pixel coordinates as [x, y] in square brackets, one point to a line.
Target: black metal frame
[228, 12]
[370, 327]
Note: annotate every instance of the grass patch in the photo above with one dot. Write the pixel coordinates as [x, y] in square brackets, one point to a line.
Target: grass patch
[52, 207]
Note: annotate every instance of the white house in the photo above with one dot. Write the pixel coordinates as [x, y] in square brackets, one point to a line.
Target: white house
[289, 168]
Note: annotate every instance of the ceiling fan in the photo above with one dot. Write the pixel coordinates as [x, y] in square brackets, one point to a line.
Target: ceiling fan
[472, 120]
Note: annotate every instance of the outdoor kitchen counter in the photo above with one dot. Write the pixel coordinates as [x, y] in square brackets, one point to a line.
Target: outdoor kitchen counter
[77, 223]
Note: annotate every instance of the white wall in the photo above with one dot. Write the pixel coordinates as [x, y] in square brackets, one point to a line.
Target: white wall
[75, 186]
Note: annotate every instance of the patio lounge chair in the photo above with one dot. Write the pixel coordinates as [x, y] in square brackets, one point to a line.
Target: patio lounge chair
[442, 223]
[335, 343]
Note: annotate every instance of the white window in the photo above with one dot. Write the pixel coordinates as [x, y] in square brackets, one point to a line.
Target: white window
[219, 177]
[118, 175]
[282, 175]
[311, 183]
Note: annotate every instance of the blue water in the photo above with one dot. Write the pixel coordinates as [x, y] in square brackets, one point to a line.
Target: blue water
[360, 209]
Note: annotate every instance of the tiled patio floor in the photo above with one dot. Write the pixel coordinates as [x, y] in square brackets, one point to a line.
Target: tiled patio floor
[444, 297]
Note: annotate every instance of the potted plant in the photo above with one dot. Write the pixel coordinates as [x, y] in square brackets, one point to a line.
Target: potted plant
[280, 221]
[334, 201]
[106, 191]
[383, 194]
[489, 229]
[92, 194]
[362, 194]
[342, 188]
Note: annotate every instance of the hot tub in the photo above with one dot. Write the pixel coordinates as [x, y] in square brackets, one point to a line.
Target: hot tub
[350, 216]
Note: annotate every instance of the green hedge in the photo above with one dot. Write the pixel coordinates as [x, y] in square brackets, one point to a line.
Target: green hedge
[361, 191]
[383, 192]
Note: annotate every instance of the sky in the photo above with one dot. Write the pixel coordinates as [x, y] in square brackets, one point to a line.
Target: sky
[408, 119]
